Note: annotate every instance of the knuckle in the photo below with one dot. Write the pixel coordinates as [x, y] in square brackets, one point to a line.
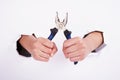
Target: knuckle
[50, 50]
[51, 44]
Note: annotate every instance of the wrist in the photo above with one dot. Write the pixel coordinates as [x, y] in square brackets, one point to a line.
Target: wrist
[94, 40]
[23, 45]
[25, 40]
[88, 46]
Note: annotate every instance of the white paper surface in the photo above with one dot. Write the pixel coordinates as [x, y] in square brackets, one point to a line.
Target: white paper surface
[28, 16]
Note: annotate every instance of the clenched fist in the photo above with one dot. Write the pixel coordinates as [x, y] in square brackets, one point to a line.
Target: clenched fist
[75, 49]
[40, 48]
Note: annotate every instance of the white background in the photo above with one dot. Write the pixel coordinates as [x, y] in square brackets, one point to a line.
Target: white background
[28, 16]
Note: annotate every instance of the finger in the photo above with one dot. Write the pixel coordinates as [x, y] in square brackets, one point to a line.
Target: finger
[78, 58]
[72, 48]
[46, 42]
[45, 49]
[43, 54]
[71, 41]
[66, 55]
[39, 58]
[54, 50]
[76, 53]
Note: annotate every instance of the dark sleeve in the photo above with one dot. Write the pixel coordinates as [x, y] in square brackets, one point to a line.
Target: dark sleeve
[21, 50]
[102, 45]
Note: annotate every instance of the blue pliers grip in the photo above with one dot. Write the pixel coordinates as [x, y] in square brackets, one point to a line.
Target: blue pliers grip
[53, 33]
[68, 36]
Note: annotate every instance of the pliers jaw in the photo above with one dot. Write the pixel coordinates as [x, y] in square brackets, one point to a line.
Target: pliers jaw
[61, 24]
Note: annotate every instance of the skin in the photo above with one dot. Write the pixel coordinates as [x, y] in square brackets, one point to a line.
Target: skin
[40, 48]
[75, 49]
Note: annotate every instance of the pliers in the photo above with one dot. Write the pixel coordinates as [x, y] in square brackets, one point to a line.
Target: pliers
[60, 25]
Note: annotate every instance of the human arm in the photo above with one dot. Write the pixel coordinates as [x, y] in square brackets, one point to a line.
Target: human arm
[39, 48]
[77, 49]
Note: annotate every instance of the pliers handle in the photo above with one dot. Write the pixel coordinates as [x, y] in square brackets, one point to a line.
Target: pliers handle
[68, 36]
[53, 33]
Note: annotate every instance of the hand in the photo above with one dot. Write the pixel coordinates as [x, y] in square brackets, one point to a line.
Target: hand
[75, 49]
[43, 49]
[40, 48]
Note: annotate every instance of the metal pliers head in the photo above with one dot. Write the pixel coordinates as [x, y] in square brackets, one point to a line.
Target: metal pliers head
[61, 24]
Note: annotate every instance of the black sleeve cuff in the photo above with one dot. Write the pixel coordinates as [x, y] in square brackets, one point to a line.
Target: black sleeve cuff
[21, 50]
